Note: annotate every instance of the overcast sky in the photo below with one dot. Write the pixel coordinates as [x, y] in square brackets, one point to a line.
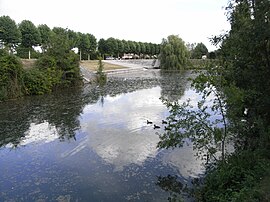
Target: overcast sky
[140, 20]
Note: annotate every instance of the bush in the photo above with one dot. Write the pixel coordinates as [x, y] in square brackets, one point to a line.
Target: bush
[45, 62]
[100, 75]
[36, 82]
[237, 179]
[11, 71]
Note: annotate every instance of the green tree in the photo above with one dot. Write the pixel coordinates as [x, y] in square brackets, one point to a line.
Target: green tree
[73, 38]
[121, 47]
[246, 50]
[147, 48]
[241, 80]
[83, 45]
[126, 47]
[11, 76]
[206, 124]
[199, 50]
[100, 75]
[173, 53]
[93, 44]
[45, 35]
[132, 46]
[10, 35]
[143, 50]
[157, 49]
[138, 48]
[102, 47]
[30, 35]
[66, 60]
[112, 46]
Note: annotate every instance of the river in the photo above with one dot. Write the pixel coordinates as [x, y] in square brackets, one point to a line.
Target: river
[93, 143]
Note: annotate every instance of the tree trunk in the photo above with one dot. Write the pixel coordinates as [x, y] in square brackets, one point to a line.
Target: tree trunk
[29, 54]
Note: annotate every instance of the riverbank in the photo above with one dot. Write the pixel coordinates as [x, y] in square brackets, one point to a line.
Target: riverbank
[92, 65]
[118, 64]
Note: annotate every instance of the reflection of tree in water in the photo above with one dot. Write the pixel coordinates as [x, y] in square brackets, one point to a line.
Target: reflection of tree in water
[117, 86]
[174, 186]
[62, 108]
[173, 84]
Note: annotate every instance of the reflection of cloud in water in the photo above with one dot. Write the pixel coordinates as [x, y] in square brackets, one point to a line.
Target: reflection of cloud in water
[121, 148]
[185, 161]
[118, 132]
[39, 133]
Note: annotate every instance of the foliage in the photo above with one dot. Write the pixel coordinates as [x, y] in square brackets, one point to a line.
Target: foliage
[115, 47]
[11, 72]
[237, 180]
[240, 86]
[112, 46]
[65, 60]
[30, 34]
[92, 47]
[46, 62]
[10, 35]
[57, 67]
[102, 47]
[199, 51]
[100, 75]
[45, 35]
[173, 53]
[172, 185]
[246, 54]
[206, 124]
[23, 52]
[36, 82]
[83, 43]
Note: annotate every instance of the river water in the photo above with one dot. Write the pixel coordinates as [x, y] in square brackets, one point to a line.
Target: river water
[94, 144]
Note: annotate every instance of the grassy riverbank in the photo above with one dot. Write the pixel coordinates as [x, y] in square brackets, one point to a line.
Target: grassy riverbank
[91, 65]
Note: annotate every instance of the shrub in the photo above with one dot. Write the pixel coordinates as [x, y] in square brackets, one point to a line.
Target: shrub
[237, 179]
[100, 75]
[11, 72]
[36, 82]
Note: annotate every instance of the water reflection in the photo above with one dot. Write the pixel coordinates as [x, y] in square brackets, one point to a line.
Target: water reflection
[93, 143]
[38, 133]
[174, 90]
[37, 116]
[120, 134]
[173, 185]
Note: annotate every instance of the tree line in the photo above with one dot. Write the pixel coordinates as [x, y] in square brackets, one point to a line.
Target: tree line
[23, 37]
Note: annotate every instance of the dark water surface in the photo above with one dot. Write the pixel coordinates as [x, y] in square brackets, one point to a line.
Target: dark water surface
[94, 143]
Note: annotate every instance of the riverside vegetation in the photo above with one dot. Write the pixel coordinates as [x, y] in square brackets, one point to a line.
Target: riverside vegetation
[236, 89]
[58, 67]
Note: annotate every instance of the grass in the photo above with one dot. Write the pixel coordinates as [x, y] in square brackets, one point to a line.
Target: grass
[89, 64]
[93, 65]
[28, 64]
[200, 63]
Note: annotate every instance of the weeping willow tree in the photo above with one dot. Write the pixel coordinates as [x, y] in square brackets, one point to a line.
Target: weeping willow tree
[173, 53]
